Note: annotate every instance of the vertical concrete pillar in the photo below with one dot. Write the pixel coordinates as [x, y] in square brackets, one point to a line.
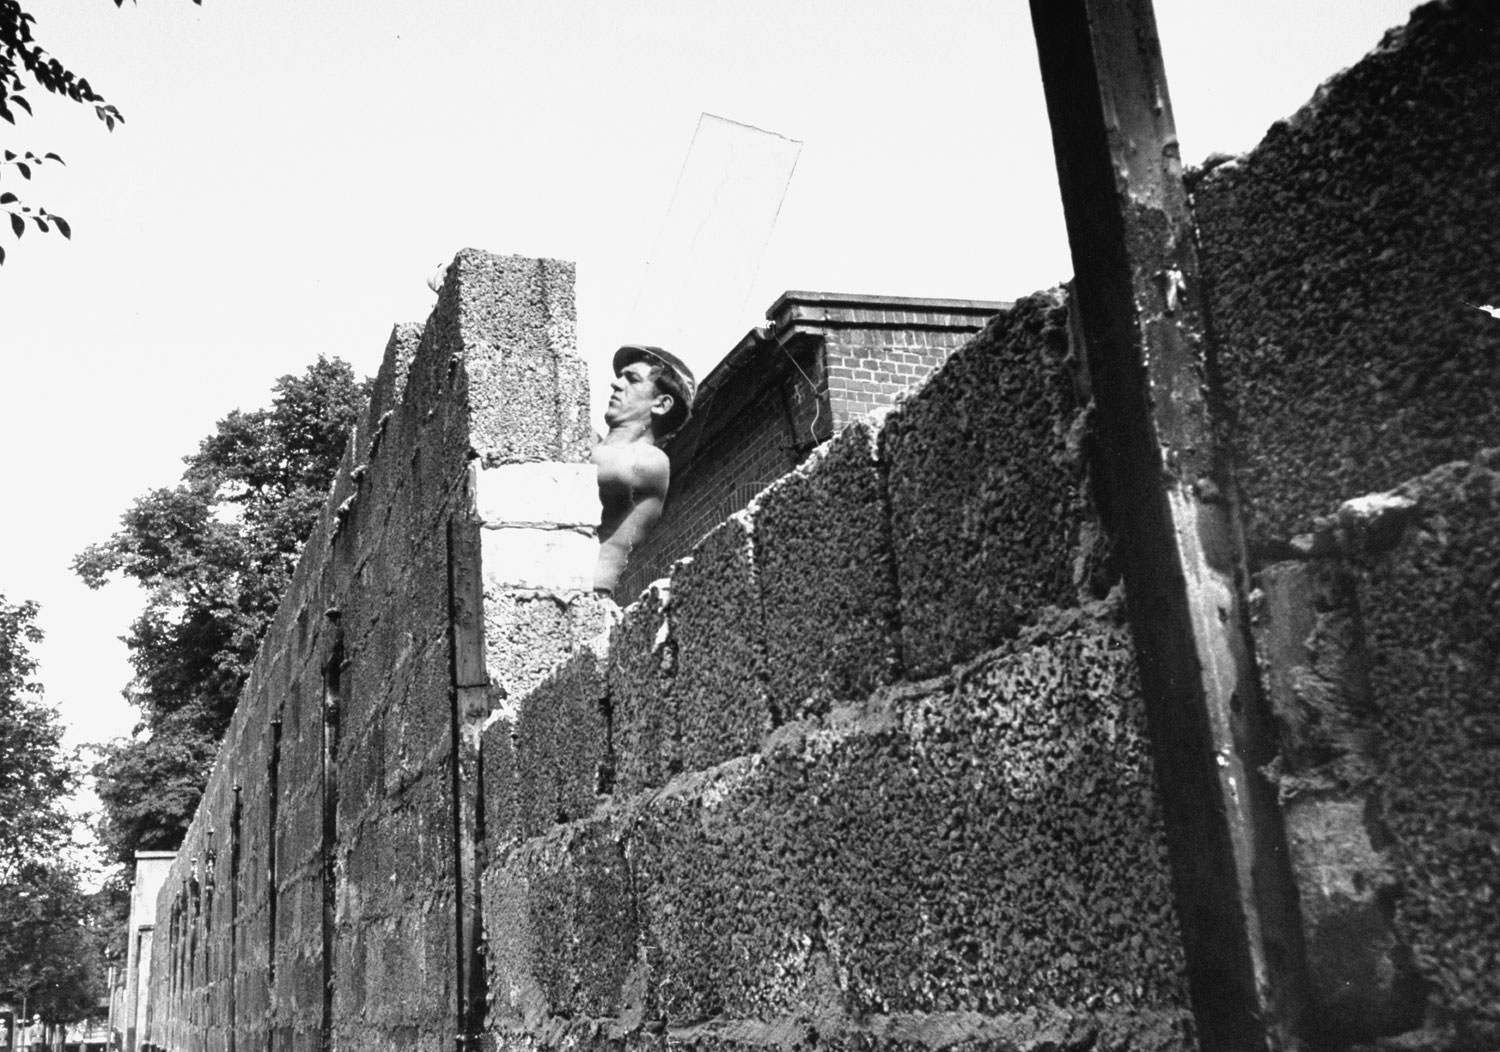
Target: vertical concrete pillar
[151, 869]
[521, 548]
[1169, 500]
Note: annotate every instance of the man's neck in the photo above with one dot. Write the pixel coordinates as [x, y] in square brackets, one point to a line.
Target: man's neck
[628, 433]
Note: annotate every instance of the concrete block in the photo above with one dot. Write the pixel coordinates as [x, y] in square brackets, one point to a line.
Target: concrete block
[1337, 258]
[537, 494]
[986, 491]
[827, 578]
[529, 635]
[722, 705]
[562, 746]
[639, 673]
[549, 560]
[510, 319]
[1430, 616]
[561, 928]
[986, 844]
[1038, 1030]
[575, 430]
[502, 787]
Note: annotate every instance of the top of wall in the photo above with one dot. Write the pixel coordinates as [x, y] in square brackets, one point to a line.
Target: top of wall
[809, 310]
[1340, 259]
[823, 360]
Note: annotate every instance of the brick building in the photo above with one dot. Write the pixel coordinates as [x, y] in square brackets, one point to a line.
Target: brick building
[823, 360]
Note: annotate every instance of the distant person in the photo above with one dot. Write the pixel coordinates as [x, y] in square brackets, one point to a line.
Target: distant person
[651, 397]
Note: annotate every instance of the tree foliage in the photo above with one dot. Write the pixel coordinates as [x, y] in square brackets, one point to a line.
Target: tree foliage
[48, 952]
[35, 775]
[52, 951]
[24, 64]
[214, 554]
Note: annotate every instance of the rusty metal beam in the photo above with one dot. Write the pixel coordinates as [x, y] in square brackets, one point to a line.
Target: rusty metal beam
[1165, 491]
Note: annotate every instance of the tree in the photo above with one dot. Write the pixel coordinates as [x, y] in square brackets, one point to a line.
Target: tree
[24, 62]
[35, 776]
[51, 945]
[48, 951]
[214, 554]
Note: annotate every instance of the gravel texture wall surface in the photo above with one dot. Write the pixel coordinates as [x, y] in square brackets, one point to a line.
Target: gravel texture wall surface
[953, 854]
[1341, 258]
[986, 487]
[1431, 606]
[315, 897]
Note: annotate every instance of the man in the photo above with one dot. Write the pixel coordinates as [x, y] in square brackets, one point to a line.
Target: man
[650, 398]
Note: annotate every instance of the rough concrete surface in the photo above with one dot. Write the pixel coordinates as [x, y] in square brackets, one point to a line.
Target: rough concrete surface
[562, 752]
[640, 673]
[561, 927]
[1315, 666]
[1341, 257]
[722, 705]
[827, 579]
[985, 844]
[1430, 612]
[986, 488]
[315, 898]
[528, 634]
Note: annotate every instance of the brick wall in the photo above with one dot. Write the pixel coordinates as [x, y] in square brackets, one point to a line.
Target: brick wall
[824, 360]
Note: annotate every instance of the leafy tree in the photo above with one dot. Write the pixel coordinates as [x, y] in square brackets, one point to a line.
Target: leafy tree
[35, 776]
[214, 554]
[23, 64]
[51, 943]
[48, 951]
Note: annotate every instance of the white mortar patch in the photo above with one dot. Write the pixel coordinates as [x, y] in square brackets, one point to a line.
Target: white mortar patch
[544, 559]
[537, 494]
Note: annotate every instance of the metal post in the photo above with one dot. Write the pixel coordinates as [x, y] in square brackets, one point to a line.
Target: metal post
[1165, 491]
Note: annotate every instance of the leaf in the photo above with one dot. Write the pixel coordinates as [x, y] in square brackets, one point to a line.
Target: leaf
[54, 157]
[2, 255]
[41, 224]
[24, 169]
[63, 228]
[10, 155]
[20, 100]
[7, 197]
[17, 224]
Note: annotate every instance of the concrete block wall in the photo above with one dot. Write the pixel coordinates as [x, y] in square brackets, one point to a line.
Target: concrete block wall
[1341, 260]
[823, 360]
[319, 897]
[806, 838]
[870, 766]
[1340, 257]
[1380, 649]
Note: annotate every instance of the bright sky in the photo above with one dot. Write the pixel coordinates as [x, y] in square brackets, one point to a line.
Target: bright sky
[290, 173]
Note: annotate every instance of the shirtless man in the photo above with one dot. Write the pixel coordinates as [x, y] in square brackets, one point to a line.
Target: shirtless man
[650, 398]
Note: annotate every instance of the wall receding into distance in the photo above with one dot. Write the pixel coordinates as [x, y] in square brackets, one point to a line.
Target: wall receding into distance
[869, 767]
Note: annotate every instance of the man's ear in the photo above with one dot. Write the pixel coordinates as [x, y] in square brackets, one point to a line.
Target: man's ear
[663, 403]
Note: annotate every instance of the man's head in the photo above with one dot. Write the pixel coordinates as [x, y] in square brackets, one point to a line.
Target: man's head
[672, 380]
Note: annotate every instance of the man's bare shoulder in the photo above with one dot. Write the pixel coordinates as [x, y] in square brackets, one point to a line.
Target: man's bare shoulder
[651, 470]
[639, 465]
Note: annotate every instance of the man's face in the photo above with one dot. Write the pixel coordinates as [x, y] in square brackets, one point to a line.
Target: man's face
[633, 395]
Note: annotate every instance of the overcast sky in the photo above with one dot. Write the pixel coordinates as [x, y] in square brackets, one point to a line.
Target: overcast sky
[290, 172]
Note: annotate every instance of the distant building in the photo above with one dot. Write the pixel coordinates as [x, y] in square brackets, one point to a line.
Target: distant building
[150, 873]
